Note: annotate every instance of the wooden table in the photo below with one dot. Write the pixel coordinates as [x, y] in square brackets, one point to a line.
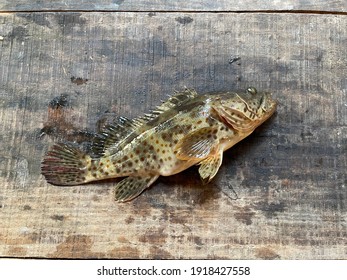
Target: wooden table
[67, 68]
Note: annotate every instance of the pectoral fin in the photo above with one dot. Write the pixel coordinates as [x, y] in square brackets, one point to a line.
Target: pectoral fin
[197, 144]
[132, 187]
[210, 166]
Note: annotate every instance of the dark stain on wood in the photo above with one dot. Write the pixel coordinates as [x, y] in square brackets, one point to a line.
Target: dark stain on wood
[270, 210]
[244, 215]
[78, 81]
[27, 207]
[60, 124]
[124, 252]
[59, 102]
[157, 253]
[19, 33]
[58, 217]
[196, 240]
[75, 246]
[154, 236]
[17, 251]
[266, 253]
[129, 220]
[68, 21]
[184, 20]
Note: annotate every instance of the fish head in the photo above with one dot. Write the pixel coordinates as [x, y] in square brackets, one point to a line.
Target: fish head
[247, 110]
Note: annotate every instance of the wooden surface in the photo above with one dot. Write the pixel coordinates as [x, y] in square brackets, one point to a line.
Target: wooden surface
[338, 6]
[62, 75]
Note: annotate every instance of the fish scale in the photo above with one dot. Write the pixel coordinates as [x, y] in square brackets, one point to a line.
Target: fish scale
[188, 129]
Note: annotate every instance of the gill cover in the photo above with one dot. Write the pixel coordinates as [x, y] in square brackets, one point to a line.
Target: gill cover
[245, 111]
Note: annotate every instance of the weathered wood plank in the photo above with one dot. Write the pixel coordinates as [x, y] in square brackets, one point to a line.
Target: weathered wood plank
[60, 73]
[178, 5]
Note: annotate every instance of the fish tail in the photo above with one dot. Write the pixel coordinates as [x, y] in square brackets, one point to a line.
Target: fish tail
[65, 165]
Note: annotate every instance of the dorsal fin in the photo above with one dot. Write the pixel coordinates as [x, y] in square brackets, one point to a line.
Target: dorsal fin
[177, 99]
[113, 137]
[112, 134]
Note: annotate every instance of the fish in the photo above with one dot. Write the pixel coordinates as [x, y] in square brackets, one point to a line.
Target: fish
[188, 129]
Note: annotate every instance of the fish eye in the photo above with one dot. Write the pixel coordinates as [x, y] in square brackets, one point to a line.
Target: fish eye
[252, 90]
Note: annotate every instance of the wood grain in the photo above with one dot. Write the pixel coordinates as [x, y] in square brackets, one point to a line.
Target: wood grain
[178, 5]
[64, 74]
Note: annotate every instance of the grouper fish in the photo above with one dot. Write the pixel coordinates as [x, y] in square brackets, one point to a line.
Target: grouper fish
[188, 129]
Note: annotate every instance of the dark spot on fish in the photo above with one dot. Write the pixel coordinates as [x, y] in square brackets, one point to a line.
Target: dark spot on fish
[125, 158]
[78, 81]
[106, 173]
[130, 164]
[142, 158]
[101, 164]
[117, 170]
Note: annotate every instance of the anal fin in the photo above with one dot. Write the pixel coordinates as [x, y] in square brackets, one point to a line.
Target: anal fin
[131, 187]
[210, 166]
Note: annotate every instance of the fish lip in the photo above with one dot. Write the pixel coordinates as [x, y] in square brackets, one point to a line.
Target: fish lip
[269, 113]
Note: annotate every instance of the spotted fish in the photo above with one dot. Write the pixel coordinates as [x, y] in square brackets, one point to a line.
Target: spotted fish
[188, 129]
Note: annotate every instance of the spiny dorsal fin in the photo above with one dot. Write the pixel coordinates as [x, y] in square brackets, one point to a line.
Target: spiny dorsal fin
[113, 137]
[177, 99]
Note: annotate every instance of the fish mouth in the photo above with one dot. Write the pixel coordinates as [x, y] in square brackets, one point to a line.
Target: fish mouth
[272, 104]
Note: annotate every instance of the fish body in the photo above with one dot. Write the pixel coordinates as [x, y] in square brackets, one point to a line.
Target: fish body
[186, 130]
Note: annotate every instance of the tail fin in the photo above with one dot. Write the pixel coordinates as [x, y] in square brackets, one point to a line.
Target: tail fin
[65, 165]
